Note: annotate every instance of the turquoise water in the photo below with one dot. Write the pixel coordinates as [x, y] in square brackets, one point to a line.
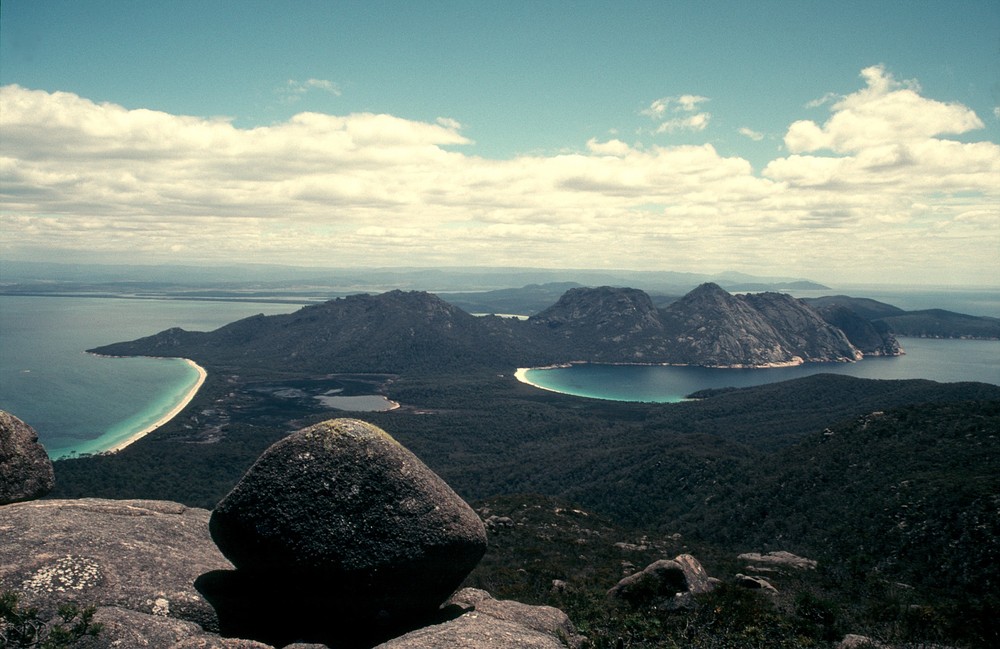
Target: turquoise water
[81, 403]
[938, 360]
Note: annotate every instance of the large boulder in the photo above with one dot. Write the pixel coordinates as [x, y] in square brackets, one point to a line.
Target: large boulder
[25, 469]
[139, 555]
[337, 525]
[663, 583]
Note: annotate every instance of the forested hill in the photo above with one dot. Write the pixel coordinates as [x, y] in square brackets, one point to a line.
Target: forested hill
[924, 323]
[415, 331]
[390, 332]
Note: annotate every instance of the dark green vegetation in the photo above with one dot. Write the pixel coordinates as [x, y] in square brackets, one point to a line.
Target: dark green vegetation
[22, 627]
[891, 485]
[926, 323]
[899, 498]
[938, 323]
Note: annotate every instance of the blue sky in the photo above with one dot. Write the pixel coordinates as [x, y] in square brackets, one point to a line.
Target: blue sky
[643, 135]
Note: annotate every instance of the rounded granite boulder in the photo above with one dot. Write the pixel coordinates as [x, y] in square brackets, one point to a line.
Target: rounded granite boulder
[25, 469]
[344, 507]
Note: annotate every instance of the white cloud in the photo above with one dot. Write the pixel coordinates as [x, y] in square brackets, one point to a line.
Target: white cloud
[293, 90]
[756, 136]
[673, 113]
[821, 101]
[657, 109]
[689, 103]
[696, 122]
[886, 111]
[613, 147]
[887, 194]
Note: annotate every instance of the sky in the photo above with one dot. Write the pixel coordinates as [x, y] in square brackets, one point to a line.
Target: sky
[847, 142]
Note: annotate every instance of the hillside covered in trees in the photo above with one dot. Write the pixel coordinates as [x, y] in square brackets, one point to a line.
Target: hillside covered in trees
[890, 485]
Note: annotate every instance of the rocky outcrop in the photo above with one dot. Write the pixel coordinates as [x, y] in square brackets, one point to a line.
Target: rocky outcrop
[143, 564]
[754, 583]
[348, 528]
[708, 326]
[124, 628]
[604, 324]
[137, 555]
[487, 623]
[665, 583]
[25, 469]
[779, 558]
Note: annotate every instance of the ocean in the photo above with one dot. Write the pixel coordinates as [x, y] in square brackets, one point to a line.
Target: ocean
[80, 403]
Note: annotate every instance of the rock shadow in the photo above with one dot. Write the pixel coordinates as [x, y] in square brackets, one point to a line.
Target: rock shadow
[283, 609]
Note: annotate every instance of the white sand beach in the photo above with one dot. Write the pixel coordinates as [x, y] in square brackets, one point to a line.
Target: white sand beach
[202, 374]
[522, 375]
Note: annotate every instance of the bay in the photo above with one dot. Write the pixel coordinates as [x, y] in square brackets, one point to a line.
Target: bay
[938, 360]
[81, 403]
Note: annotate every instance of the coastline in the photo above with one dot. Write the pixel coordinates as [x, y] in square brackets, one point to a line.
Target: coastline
[522, 375]
[176, 410]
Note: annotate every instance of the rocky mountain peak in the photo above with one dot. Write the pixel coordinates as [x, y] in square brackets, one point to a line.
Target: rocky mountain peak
[708, 291]
[709, 326]
[600, 307]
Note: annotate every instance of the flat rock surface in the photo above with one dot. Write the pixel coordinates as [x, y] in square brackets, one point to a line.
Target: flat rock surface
[140, 555]
[488, 623]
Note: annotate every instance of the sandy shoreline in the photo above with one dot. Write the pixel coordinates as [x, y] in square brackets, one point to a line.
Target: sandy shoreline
[522, 375]
[202, 374]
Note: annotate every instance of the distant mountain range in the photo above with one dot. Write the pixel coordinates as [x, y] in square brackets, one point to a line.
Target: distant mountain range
[268, 281]
[399, 331]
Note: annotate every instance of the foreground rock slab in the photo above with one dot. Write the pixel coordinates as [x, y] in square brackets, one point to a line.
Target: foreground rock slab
[25, 469]
[488, 623]
[139, 555]
[339, 525]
